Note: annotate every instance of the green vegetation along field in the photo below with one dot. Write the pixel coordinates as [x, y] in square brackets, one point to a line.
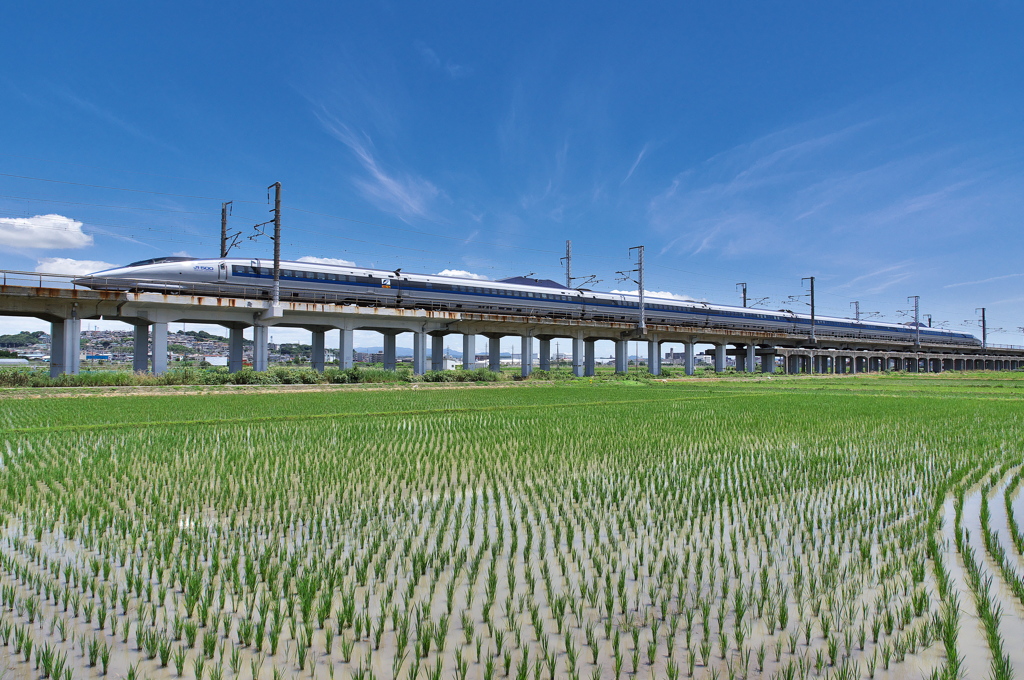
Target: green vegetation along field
[782, 528]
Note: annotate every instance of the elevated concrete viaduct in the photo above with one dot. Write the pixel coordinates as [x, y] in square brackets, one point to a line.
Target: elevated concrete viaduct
[149, 313]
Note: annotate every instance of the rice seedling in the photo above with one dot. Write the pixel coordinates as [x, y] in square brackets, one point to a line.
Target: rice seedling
[425, 538]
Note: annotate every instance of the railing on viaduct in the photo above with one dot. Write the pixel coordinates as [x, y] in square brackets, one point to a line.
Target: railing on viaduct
[55, 298]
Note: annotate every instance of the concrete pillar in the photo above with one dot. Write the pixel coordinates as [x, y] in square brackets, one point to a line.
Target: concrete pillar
[741, 360]
[688, 357]
[140, 348]
[793, 364]
[494, 354]
[621, 356]
[768, 362]
[390, 348]
[545, 354]
[436, 352]
[589, 358]
[317, 358]
[260, 348]
[654, 355]
[345, 347]
[468, 352]
[236, 346]
[419, 352]
[160, 348]
[526, 355]
[751, 358]
[577, 355]
[65, 347]
[56, 348]
[719, 358]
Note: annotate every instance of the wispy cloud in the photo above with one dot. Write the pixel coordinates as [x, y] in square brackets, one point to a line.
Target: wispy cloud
[112, 119]
[843, 187]
[406, 194]
[980, 281]
[433, 61]
[878, 280]
[636, 163]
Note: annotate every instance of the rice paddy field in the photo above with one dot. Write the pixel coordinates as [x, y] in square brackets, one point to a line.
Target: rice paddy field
[856, 527]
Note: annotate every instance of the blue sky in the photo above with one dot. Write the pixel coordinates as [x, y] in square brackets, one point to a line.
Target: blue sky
[875, 146]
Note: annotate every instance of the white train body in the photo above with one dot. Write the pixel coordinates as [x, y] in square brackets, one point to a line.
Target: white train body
[308, 281]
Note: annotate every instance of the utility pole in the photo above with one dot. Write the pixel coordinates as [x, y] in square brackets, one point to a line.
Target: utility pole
[984, 327]
[224, 228]
[640, 268]
[569, 278]
[917, 319]
[811, 279]
[277, 242]
[743, 286]
[568, 264]
[929, 317]
[639, 281]
[856, 309]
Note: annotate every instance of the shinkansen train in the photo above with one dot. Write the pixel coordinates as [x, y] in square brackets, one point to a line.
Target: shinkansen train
[306, 281]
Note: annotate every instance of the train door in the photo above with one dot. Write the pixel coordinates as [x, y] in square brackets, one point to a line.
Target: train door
[222, 272]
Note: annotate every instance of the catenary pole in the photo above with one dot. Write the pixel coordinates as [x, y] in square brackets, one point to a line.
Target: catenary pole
[811, 279]
[277, 242]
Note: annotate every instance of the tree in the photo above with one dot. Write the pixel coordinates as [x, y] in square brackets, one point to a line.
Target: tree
[23, 339]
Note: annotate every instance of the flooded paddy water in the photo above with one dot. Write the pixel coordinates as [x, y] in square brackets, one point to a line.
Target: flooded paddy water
[796, 529]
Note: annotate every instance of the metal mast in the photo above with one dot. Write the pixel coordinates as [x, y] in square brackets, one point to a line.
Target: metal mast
[917, 319]
[743, 286]
[277, 242]
[640, 282]
[568, 264]
[224, 228]
[811, 279]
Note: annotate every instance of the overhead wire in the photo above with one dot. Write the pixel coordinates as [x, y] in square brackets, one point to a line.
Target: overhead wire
[464, 240]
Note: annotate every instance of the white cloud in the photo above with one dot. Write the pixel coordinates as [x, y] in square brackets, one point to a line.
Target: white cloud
[327, 260]
[656, 294]
[462, 274]
[43, 231]
[65, 265]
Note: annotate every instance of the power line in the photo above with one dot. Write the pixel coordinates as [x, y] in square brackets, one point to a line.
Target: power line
[104, 205]
[102, 186]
